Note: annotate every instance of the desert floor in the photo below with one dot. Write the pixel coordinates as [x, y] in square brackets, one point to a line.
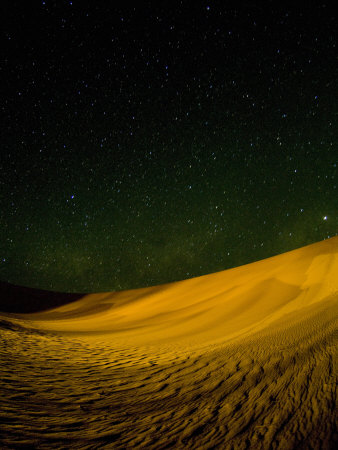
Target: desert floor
[243, 358]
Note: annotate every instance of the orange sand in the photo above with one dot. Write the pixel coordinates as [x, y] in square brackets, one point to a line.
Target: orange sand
[243, 358]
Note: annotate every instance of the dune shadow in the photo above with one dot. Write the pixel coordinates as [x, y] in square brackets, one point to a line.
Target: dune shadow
[20, 299]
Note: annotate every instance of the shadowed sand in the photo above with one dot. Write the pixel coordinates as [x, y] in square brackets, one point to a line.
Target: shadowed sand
[21, 299]
[243, 358]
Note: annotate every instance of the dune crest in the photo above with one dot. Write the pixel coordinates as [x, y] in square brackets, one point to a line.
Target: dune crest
[216, 306]
[243, 358]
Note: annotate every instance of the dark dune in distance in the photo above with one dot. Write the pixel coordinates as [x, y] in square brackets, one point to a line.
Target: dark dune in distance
[20, 299]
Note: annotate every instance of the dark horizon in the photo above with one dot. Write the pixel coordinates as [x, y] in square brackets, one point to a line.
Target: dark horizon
[22, 299]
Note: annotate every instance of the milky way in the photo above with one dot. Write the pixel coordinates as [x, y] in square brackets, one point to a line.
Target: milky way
[156, 143]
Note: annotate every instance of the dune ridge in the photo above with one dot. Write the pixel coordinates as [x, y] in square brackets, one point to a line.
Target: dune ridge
[243, 358]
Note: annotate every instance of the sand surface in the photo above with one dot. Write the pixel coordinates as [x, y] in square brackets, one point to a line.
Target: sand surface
[244, 358]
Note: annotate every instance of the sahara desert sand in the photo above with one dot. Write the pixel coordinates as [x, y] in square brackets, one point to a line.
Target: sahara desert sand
[239, 359]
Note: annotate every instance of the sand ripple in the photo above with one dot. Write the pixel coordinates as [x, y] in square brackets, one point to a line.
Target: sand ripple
[272, 389]
[240, 360]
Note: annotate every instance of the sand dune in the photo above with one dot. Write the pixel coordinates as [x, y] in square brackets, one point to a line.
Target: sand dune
[243, 358]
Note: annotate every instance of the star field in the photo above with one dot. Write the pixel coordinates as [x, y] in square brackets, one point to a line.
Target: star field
[148, 144]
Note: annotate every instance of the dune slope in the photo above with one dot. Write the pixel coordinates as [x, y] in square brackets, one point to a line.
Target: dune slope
[243, 358]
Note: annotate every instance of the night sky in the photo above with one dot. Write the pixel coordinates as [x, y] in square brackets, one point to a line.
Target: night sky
[148, 144]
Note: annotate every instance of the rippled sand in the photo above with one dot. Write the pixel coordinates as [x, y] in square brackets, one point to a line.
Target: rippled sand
[243, 358]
